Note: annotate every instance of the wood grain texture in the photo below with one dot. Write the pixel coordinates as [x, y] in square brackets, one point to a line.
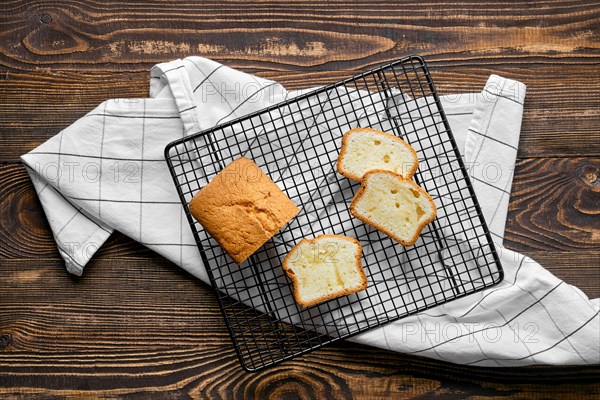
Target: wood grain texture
[272, 34]
[136, 326]
[160, 330]
[63, 56]
[25, 233]
[561, 118]
[563, 221]
[566, 216]
[180, 343]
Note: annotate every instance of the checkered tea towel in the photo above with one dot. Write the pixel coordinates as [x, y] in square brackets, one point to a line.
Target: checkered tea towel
[107, 172]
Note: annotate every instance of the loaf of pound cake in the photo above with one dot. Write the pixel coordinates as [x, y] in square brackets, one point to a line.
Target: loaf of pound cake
[242, 208]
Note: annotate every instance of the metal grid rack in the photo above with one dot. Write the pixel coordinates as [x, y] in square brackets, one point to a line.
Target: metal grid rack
[297, 143]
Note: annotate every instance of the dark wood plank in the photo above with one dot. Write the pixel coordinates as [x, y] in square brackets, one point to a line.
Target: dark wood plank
[555, 205]
[561, 118]
[129, 330]
[136, 325]
[551, 216]
[60, 59]
[281, 34]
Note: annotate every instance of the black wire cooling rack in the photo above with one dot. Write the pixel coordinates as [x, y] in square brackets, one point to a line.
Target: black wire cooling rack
[297, 143]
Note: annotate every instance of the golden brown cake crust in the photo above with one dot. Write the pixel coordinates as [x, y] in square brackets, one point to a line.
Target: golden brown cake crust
[363, 188]
[344, 149]
[330, 296]
[242, 208]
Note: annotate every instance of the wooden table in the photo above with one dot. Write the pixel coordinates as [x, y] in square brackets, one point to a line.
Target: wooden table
[135, 325]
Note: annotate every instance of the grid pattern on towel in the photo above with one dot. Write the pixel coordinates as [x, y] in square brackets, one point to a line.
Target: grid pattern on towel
[296, 143]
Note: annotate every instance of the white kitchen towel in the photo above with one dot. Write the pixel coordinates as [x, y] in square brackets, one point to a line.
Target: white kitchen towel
[107, 172]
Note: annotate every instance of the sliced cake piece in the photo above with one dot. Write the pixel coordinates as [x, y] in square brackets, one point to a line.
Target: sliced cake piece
[324, 268]
[394, 205]
[366, 149]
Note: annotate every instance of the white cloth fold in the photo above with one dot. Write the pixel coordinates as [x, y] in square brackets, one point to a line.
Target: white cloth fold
[107, 172]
